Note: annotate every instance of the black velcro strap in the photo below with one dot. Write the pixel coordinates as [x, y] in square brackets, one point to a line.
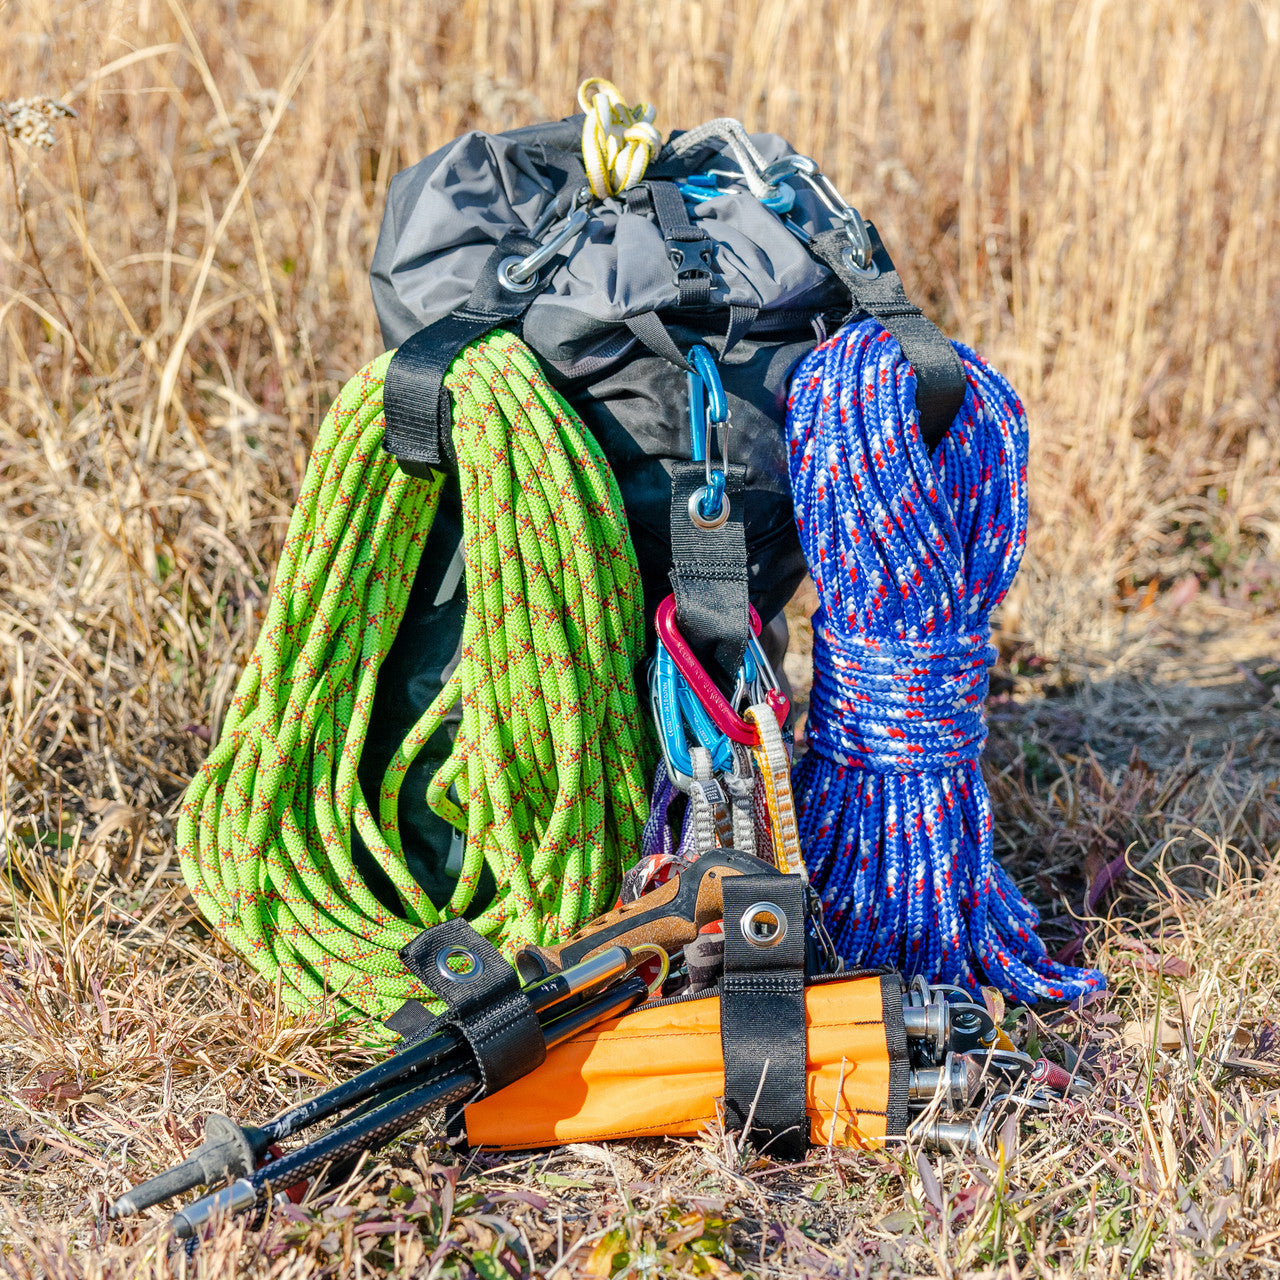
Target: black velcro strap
[709, 573]
[898, 1111]
[413, 1021]
[940, 378]
[762, 1014]
[486, 1004]
[414, 400]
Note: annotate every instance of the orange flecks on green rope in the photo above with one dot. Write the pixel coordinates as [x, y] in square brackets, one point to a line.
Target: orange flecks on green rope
[547, 776]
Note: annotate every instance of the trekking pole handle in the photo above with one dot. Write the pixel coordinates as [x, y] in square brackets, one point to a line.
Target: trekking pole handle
[668, 917]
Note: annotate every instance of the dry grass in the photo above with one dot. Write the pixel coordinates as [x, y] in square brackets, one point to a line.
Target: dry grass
[1088, 191]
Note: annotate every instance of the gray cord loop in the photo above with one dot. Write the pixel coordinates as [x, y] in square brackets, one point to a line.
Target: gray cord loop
[727, 130]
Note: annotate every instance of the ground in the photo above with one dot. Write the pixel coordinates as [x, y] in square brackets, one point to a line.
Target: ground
[1087, 193]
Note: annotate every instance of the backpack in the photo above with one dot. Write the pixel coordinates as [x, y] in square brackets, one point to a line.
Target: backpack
[651, 328]
[734, 242]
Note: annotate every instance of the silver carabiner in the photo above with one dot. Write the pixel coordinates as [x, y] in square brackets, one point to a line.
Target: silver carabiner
[519, 275]
[859, 256]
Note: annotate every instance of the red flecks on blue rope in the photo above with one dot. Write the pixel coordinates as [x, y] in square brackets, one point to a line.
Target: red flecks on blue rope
[909, 554]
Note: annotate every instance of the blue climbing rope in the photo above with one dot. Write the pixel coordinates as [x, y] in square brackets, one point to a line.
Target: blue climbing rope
[909, 554]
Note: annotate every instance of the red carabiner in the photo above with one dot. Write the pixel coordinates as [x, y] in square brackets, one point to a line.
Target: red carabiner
[727, 720]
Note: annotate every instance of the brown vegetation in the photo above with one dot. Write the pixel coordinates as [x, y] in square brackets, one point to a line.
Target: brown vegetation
[1089, 192]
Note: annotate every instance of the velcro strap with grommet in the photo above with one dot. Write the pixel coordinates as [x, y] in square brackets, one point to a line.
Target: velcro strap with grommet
[415, 403]
[484, 999]
[762, 1013]
[709, 572]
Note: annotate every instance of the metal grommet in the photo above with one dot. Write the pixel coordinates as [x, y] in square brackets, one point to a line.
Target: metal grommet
[851, 263]
[505, 267]
[474, 966]
[695, 509]
[763, 925]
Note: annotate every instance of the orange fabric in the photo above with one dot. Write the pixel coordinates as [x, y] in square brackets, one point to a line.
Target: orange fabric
[659, 1071]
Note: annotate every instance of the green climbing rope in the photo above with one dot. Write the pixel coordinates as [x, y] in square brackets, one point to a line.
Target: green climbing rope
[548, 771]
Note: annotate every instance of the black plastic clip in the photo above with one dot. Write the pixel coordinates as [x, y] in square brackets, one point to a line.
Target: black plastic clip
[691, 258]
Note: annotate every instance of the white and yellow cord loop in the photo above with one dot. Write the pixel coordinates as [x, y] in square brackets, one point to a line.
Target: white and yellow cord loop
[618, 141]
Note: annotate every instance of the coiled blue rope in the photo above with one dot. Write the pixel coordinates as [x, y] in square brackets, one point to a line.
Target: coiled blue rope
[909, 554]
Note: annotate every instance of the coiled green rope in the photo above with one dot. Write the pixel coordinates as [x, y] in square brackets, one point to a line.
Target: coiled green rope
[548, 770]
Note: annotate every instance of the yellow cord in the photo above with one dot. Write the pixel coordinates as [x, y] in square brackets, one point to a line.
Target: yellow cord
[774, 766]
[618, 141]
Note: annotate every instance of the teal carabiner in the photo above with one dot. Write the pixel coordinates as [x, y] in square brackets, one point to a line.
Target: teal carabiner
[674, 706]
[708, 409]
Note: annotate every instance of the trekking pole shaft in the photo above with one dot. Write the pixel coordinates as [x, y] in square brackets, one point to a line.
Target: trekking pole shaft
[365, 1135]
[430, 1053]
[457, 1077]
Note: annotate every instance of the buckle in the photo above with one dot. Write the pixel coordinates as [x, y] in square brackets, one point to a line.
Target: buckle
[691, 258]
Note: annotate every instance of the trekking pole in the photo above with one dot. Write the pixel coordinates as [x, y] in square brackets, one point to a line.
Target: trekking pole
[230, 1148]
[455, 1077]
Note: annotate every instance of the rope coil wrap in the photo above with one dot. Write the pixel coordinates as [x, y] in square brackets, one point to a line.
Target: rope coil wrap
[550, 763]
[910, 554]
[875, 686]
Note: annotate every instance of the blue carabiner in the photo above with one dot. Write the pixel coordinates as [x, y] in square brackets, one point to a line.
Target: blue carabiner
[674, 703]
[666, 712]
[698, 187]
[704, 365]
[708, 408]
[704, 729]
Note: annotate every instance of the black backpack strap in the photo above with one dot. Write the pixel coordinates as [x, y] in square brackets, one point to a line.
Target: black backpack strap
[762, 1012]
[878, 291]
[690, 250]
[741, 317]
[648, 327]
[483, 997]
[414, 400]
[709, 572]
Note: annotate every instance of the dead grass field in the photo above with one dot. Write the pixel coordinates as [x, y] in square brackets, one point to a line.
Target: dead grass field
[1088, 191]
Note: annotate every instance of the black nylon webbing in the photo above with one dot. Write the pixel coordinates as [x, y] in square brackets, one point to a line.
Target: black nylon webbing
[741, 318]
[648, 327]
[709, 572]
[898, 1110]
[762, 1018]
[689, 247]
[415, 402]
[940, 380]
[489, 1008]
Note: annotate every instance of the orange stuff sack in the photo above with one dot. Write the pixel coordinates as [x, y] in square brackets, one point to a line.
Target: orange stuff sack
[659, 1071]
